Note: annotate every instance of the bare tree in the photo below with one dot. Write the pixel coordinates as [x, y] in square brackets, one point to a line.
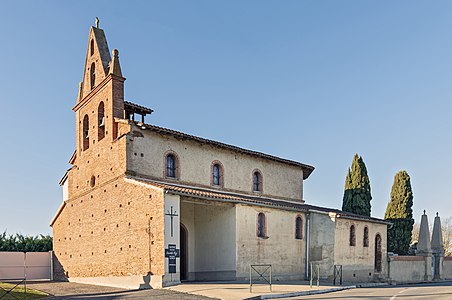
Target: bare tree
[446, 228]
[415, 233]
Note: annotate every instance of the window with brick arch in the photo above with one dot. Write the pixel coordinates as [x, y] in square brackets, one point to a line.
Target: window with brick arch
[366, 237]
[101, 121]
[261, 225]
[170, 166]
[299, 228]
[91, 47]
[217, 174]
[85, 132]
[92, 75]
[352, 236]
[257, 181]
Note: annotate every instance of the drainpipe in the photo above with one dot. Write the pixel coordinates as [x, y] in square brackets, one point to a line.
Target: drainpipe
[308, 242]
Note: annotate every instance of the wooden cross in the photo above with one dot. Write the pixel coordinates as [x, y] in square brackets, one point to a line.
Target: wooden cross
[172, 215]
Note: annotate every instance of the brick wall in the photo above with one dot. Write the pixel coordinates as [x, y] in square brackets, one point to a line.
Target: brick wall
[114, 229]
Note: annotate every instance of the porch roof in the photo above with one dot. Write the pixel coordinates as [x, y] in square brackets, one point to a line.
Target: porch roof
[218, 195]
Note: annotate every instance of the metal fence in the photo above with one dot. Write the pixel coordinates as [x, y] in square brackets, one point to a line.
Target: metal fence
[263, 275]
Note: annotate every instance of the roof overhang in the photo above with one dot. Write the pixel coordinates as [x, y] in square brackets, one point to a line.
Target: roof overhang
[307, 169]
[215, 195]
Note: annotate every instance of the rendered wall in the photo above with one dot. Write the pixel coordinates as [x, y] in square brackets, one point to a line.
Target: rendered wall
[322, 243]
[172, 235]
[211, 230]
[146, 156]
[407, 269]
[285, 253]
[358, 261]
[447, 267]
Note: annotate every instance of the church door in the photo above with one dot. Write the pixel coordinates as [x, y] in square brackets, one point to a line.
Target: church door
[378, 253]
[183, 252]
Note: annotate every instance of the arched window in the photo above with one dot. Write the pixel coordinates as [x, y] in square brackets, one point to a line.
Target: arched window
[299, 228]
[100, 121]
[378, 253]
[92, 47]
[217, 174]
[170, 166]
[366, 237]
[352, 236]
[92, 75]
[85, 132]
[261, 226]
[257, 181]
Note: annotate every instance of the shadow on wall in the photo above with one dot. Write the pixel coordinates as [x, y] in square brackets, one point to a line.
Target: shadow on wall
[147, 282]
[59, 273]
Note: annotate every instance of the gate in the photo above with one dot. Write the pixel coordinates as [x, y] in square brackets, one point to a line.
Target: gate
[26, 265]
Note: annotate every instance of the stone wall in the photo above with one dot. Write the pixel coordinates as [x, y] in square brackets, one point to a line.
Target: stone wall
[447, 267]
[406, 269]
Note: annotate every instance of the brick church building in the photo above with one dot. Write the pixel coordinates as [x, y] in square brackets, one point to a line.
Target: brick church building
[145, 206]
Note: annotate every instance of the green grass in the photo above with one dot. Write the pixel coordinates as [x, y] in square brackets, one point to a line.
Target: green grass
[18, 292]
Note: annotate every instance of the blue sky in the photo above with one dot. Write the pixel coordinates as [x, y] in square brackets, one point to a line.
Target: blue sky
[313, 81]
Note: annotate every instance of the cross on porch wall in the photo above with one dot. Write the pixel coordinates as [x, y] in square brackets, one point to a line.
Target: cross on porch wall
[172, 215]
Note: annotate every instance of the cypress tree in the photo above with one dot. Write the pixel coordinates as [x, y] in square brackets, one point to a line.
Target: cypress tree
[400, 213]
[357, 195]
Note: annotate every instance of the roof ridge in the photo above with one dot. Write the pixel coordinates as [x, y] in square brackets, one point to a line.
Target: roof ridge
[307, 168]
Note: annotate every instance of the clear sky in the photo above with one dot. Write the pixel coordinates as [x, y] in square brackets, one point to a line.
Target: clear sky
[312, 81]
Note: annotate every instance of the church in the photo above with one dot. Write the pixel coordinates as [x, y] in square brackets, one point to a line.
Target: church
[147, 207]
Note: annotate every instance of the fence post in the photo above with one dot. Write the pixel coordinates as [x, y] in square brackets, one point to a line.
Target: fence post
[251, 282]
[51, 265]
[310, 281]
[270, 279]
[318, 275]
[25, 274]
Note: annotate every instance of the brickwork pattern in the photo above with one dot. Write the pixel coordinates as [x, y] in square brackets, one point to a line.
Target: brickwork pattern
[112, 230]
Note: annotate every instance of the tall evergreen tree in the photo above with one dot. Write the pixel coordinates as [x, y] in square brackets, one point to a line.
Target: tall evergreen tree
[357, 195]
[400, 213]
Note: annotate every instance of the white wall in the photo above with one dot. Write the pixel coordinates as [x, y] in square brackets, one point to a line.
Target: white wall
[211, 239]
[174, 202]
[65, 188]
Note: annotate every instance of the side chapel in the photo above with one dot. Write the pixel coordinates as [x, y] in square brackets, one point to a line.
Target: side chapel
[145, 206]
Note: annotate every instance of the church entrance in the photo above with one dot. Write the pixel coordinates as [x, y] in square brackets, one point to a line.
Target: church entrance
[183, 252]
[378, 253]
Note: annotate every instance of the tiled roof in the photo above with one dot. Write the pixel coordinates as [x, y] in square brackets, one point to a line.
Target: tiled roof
[209, 194]
[307, 169]
[132, 106]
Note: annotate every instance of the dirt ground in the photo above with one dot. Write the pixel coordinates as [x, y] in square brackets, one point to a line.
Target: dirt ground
[70, 290]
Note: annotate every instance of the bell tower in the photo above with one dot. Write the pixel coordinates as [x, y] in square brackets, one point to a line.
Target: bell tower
[101, 94]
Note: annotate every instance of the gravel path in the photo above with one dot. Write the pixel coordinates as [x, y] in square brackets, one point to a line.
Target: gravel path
[70, 290]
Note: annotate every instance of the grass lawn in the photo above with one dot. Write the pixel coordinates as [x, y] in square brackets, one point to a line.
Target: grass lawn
[18, 292]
